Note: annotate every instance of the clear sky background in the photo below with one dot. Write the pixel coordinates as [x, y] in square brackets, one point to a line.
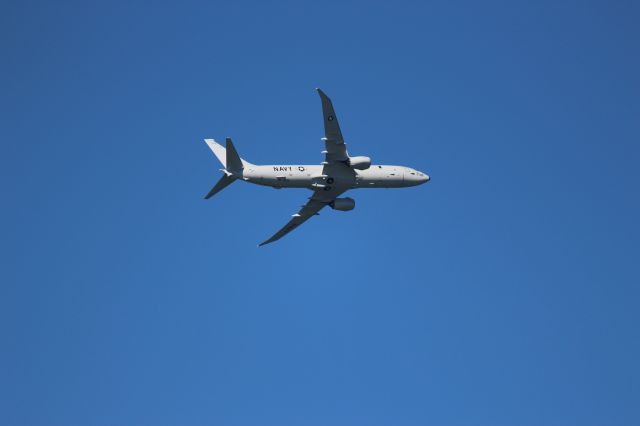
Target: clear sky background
[503, 292]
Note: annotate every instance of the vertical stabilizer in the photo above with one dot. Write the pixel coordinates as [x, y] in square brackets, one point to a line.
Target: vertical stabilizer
[227, 156]
[231, 162]
[218, 151]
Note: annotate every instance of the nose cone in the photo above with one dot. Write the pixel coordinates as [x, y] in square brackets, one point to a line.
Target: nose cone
[414, 177]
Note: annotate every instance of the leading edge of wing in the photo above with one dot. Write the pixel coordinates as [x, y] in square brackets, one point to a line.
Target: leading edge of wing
[306, 212]
[316, 202]
[335, 148]
[332, 130]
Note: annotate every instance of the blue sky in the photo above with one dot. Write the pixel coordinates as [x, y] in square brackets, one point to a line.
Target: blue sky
[504, 292]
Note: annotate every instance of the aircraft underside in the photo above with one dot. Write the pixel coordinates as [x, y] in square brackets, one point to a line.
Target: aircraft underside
[320, 177]
[338, 173]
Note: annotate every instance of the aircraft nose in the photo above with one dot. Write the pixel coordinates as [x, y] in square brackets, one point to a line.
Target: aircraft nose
[414, 177]
[423, 178]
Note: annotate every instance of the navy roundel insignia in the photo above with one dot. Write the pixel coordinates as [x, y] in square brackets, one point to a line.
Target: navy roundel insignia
[330, 118]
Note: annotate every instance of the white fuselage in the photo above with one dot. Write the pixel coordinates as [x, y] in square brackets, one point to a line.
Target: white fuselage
[317, 177]
[338, 173]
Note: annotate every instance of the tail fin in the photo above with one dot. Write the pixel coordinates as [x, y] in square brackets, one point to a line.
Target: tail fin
[231, 162]
[228, 156]
[218, 150]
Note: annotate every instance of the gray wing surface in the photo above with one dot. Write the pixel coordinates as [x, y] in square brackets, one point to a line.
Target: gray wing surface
[336, 149]
[316, 202]
[335, 152]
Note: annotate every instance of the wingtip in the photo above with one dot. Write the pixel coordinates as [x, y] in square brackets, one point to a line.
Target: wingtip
[264, 243]
[323, 96]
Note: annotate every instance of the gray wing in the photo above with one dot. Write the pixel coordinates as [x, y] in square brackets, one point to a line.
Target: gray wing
[317, 202]
[335, 148]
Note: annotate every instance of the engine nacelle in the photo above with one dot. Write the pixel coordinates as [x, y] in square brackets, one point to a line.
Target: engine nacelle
[360, 163]
[343, 204]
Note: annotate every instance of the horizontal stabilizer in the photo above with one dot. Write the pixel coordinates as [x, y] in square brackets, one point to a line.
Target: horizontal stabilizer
[227, 156]
[224, 181]
[233, 160]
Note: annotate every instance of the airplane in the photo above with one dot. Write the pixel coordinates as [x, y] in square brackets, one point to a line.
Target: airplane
[338, 173]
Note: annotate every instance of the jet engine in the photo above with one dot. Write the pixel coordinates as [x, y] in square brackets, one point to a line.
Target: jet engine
[360, 163]
[343, 204]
